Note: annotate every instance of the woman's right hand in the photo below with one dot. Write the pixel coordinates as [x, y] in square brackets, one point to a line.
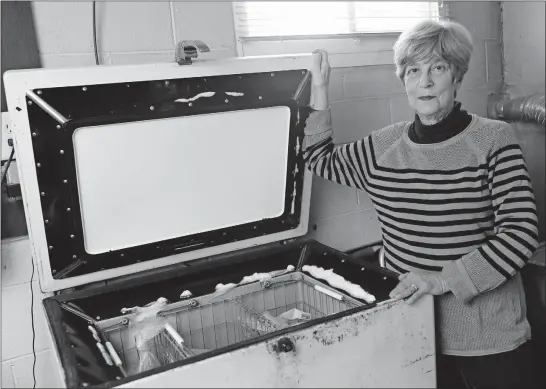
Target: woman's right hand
[320, 78]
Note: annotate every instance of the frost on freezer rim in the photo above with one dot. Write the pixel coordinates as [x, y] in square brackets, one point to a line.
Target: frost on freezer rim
[339, 282]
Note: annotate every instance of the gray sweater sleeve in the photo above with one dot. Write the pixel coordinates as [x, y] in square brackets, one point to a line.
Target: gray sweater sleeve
[515, 235]
[341, 164]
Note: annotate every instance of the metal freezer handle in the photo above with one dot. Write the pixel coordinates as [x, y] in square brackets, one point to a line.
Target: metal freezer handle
[186, 50]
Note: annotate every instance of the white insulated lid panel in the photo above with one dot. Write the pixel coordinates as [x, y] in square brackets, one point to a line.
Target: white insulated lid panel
[193, 177]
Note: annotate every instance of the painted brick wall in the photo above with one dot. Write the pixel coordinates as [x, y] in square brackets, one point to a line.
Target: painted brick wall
[523, 28]
[129, 32]
[17, 358]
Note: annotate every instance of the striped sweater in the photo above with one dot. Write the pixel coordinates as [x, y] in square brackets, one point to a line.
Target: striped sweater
[463, 208]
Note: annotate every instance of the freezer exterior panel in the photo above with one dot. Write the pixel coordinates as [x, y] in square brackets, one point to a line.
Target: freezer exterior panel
[388, 346]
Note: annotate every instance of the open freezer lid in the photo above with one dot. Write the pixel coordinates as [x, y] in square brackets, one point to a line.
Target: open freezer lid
[129, 168]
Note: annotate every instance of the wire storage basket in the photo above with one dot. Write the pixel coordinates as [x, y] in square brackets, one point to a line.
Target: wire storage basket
[167, 347]
[204, 324]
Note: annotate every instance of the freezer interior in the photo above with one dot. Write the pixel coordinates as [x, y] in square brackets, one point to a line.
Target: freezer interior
[207, 323]
[187, 328]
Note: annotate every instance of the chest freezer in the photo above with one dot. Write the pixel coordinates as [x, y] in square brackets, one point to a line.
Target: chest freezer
[168, 207]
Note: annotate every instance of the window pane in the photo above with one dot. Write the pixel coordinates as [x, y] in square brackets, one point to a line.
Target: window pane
[261, 19]
[392, 16]
[292, 18]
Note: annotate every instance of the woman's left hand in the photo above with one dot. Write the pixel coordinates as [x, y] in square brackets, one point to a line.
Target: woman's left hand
[413, 286]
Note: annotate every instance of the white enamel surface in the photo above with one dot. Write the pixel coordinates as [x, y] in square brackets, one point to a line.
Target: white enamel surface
[200, 173]
[17, 83]
[391, 346]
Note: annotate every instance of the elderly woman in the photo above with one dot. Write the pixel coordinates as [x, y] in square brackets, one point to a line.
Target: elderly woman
[455, 204]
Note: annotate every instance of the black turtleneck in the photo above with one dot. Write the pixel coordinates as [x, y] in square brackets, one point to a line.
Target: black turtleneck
[448, 127]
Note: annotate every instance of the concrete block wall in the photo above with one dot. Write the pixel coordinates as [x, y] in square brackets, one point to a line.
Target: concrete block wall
[523, 29]
[129, 32]
[17, 357]
[364, 99]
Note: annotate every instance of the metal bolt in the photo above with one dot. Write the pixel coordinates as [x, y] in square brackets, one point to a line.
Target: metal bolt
[224, 234]
[166, 82]
[84, 88]
[58, 126]
[74, 256]
[65, 181]
[303, 72]
[122, 255]
[272, 74]
[62, 151]
[98, 317]
[71, 236]
[362, 269]
[30, 103]
[342, 260]
[260, 97]
[152, 108]
[51, 247]
[33, 134]
[68, 210]
[255, 227]
[43, 194]
[227, 101]
[190, 104]
[38, 164]
[324, 254]
[46, 221]
[54, 271]
[384, 278]
[39, 92]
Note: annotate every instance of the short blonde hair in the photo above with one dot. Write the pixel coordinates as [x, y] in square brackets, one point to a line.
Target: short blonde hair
[429, 40]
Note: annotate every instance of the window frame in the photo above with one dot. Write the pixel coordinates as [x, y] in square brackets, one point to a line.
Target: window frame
[345, 50]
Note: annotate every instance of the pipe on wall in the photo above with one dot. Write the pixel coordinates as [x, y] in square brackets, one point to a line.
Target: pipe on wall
[528, 109]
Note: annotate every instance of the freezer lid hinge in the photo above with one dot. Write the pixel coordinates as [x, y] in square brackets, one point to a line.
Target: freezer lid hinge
[69, 269]
[77, 311]
[303, 257]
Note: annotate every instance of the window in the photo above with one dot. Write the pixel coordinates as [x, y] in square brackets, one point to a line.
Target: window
[363, 28]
